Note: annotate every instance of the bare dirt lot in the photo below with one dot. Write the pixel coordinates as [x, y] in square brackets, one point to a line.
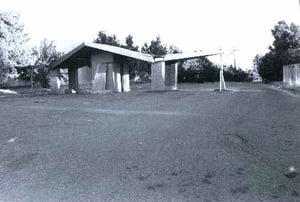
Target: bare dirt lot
[195, 144]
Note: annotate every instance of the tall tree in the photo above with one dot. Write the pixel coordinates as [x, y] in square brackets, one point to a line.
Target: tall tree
[284, 50]
[173, 50]
[104, 38]
[129, 44]
[155, 48]
[44, 56]
[130, 62]
[13, 49]
[199, 70]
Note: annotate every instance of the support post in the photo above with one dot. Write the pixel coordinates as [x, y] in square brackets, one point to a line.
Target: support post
[55, 82]
[73, 79]
[171, 76]
[117, 78]
[158, 76]
[175, 76]
[125, 79]
[99, 81]
[110, 77]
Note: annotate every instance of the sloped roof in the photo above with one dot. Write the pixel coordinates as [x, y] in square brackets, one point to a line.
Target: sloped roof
[80, 56]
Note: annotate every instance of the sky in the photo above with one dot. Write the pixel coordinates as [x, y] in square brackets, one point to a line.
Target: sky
[244, 25]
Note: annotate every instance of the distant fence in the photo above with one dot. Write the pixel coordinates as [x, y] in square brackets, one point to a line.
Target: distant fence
[291, 76]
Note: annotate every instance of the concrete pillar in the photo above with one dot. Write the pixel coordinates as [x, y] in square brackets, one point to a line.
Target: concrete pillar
[117, 78]
[55, 82]
[85, 78]
[297, 73]
[100, 58]
[73, 79]
[285, 78]
[175, 77]
[158, 76]
[291, 76]
[171, 76]
[84, 75]
[99, 81]
[110, 77]
[102, 70]
[125, 79]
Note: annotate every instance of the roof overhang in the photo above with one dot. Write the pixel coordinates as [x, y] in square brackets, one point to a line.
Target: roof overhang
[80, 56]
[186, 56]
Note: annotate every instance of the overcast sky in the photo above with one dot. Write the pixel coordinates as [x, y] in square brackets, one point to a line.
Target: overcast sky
[189, 24]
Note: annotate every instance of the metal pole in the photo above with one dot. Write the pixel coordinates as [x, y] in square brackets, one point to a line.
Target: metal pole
[221, 72]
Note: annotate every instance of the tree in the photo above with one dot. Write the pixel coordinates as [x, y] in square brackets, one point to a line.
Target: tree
[256, 62]
[103, 38]
[43, 57]
[129, 44]
[13, 51]
[46, 55]
[284, 50]
[155, 48]
[198, 70]
[203, 70]
[130, 62]
[237, 74]
[173, 50]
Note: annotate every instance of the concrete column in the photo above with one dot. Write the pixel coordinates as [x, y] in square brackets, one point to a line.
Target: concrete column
[171, 76]
[117, 78]
[297, 73]
[84, 75]
[110, 77]
[55, 82]
[73, 79]
[158, 76]
[99, 81]
[125, 79]
[85, 78]
[102, 71]
[100, 58]
[284, 74]
[291, 76]
[288, 76]
[175, 76]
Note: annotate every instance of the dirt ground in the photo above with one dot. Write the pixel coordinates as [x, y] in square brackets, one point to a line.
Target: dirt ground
[195, 144]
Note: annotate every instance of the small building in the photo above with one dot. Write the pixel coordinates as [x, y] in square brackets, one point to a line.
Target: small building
[291, 76]
[102, 67]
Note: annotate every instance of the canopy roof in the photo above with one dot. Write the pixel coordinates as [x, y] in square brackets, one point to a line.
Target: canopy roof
[80, 56]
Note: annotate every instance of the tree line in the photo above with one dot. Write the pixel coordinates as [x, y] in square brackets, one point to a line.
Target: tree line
[284, 50]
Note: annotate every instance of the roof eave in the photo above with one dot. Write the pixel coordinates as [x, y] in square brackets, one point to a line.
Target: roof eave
[67, 56]
[187, 56]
